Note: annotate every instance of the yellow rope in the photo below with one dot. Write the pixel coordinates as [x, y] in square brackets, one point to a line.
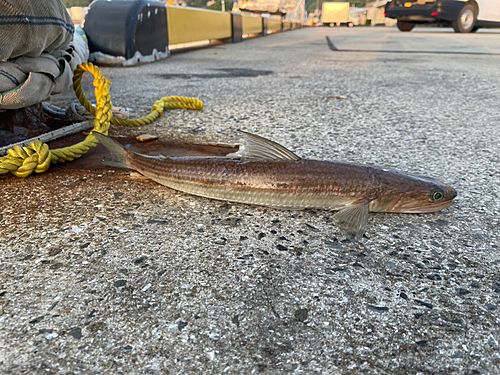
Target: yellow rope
[22, 161]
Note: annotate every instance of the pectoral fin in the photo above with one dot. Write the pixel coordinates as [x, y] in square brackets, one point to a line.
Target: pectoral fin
[353, 219]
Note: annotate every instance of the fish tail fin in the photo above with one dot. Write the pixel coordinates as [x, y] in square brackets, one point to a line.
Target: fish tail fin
[117, 151]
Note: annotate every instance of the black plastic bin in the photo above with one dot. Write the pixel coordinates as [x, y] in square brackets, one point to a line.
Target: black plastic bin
[123, 27]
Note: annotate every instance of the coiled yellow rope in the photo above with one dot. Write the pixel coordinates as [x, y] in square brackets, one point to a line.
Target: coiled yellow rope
[36, 157]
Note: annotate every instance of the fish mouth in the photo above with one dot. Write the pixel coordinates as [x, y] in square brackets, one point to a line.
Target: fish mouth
[427, 209]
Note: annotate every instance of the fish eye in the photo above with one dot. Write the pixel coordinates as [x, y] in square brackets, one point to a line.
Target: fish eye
[437, 196]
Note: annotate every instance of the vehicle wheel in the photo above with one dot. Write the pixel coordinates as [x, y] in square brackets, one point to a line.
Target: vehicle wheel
[350, 24]
[464, 23]
[405, 26]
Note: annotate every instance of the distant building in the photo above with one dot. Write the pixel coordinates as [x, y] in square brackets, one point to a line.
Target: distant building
[181, 3]
[375, 14]
[294, 10]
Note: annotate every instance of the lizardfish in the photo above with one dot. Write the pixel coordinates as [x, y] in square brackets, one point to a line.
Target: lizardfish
[267, 174]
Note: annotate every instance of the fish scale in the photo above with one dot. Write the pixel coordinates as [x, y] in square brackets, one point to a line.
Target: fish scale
[298, 184]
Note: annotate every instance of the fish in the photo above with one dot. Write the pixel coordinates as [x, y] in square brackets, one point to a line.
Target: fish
[266, 173]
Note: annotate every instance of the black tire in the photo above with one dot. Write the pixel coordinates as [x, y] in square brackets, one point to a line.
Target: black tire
[405, 26]
[350, 24]
[466, 19]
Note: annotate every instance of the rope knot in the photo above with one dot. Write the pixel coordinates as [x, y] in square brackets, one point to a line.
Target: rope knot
[22, 161]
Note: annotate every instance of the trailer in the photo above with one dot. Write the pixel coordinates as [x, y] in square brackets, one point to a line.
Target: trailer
[336, 14]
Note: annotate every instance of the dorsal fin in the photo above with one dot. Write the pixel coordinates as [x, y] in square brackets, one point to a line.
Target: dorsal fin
[261, 149]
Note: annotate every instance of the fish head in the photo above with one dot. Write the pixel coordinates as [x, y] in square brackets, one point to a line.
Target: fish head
[417, 194]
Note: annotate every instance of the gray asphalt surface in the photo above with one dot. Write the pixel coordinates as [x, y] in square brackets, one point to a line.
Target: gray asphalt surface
[106, 272]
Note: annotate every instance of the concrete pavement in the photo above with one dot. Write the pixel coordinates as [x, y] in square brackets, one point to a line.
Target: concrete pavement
[106, 272]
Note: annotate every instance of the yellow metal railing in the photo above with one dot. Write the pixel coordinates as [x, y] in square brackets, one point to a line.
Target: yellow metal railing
[273, 25]
[251, 25]
[187, 25]
[193, 24]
